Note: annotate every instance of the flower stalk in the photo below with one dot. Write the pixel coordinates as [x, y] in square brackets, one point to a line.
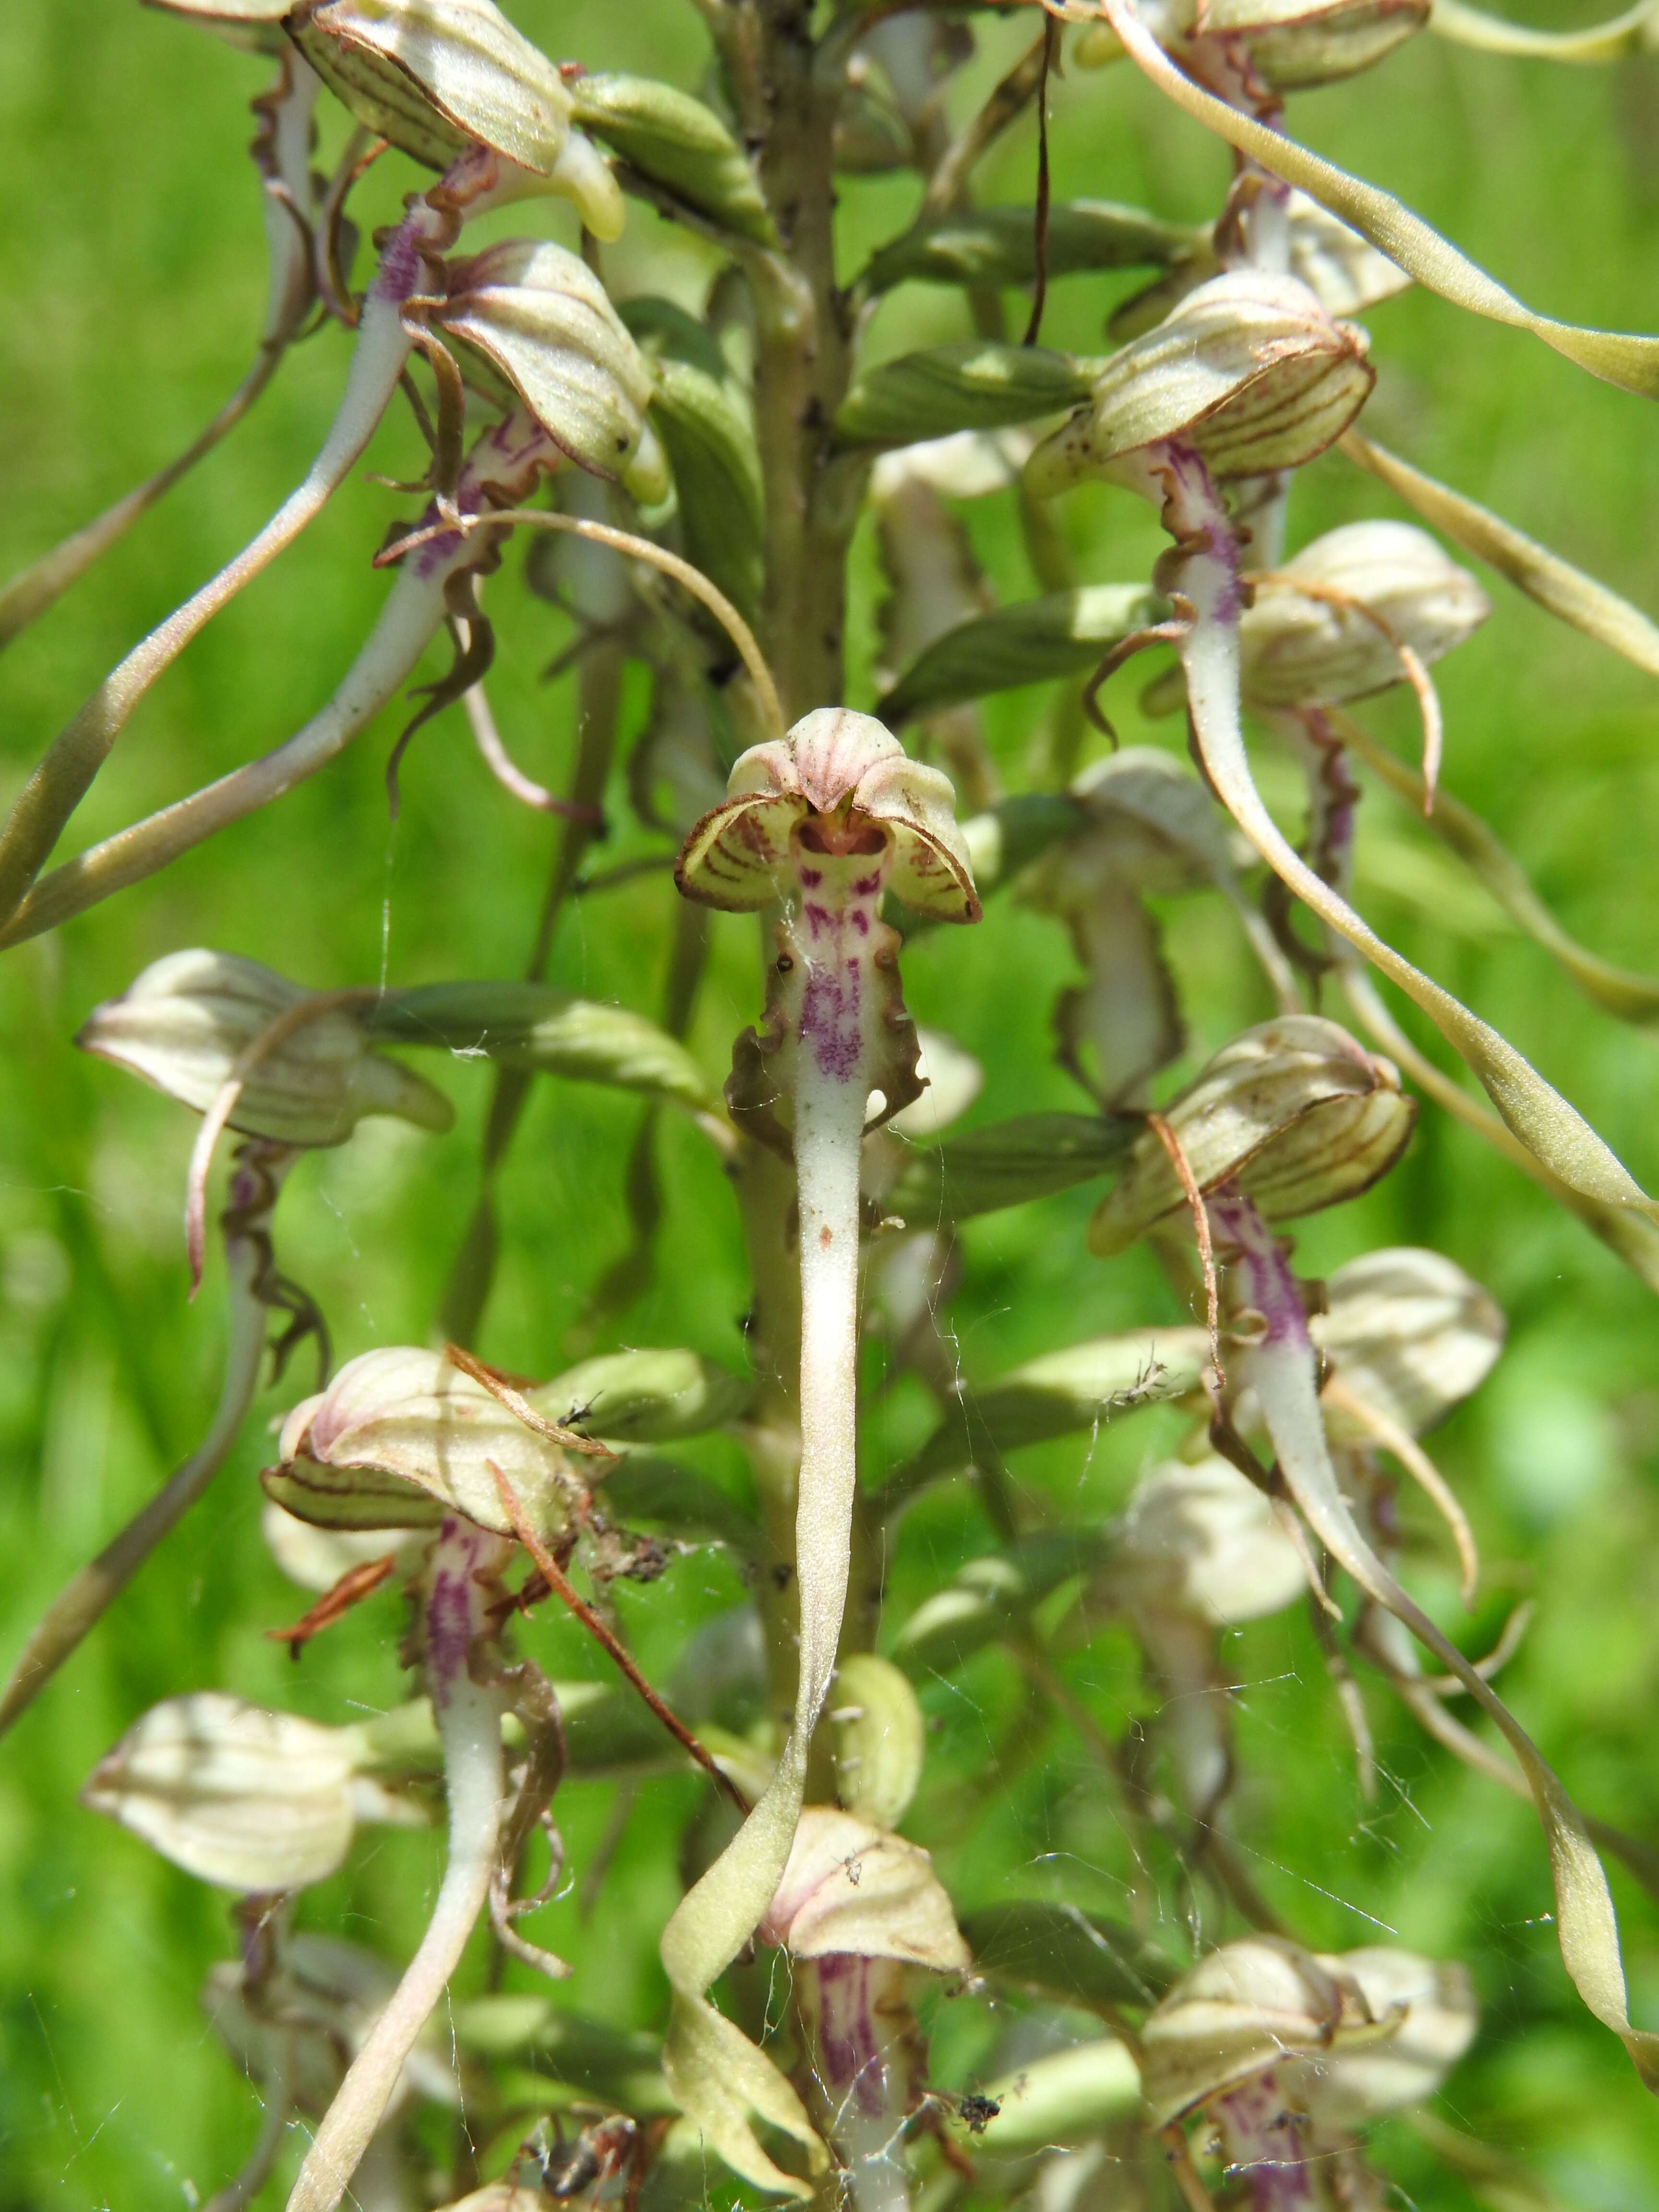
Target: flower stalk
[828, 819]
[456, 1620]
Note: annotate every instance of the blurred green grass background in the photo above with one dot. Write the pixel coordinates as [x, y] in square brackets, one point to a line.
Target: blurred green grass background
[132, 275]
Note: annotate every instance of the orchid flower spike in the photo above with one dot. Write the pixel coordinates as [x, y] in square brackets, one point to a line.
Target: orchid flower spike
[1246, 377]
[827, 820]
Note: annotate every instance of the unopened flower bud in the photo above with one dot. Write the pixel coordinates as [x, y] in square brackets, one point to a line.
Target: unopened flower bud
[1338, 2039]
[1295, 1111]
[953, 1080]
[316, 1558]
[644, 1397]
[677, 142]
[1248, 370]
[1293, 43]
[435, 76]
[1375, 586]
[401, 1439]
[880, 1738]
[251, 1799]
[540, 319]
[1410, 1334]
[183, 1022]
[1201, 1540]
[850, 1887]
[963, 464]
[1345, 270]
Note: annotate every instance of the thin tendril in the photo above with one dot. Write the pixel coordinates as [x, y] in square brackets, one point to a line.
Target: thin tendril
[639, 549]
[559, 1582]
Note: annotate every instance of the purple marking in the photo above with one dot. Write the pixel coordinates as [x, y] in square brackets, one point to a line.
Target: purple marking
[830, 1020]
[815, 917]
[811, 878]
[450, 1622]
[398, 277]
[867, 886]
[1264, 2143]
[848, 2045]
[1199, 522]
[1271, 1286]
[860, 920]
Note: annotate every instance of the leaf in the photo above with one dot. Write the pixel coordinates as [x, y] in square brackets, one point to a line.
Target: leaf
[680, 1500]
[990, 1598]
[972, 386]
[711, 449]
[529, 1026]
[644, 1397]
[1061, 634]
[1060, 1950]
[997, 245]
[1559, 587]
[1061, 1393]
[1630, 362]
[1033, 1155]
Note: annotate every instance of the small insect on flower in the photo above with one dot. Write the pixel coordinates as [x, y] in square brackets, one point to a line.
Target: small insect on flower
[602, 2151]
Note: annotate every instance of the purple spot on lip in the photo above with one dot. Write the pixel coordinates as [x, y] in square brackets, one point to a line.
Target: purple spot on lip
[860, 920]
[830, 1020]
[811, 878]
[867, 886]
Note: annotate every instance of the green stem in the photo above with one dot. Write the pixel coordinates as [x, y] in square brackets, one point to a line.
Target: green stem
[599, 697]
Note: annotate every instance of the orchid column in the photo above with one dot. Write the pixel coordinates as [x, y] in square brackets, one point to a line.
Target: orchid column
[827, 819]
